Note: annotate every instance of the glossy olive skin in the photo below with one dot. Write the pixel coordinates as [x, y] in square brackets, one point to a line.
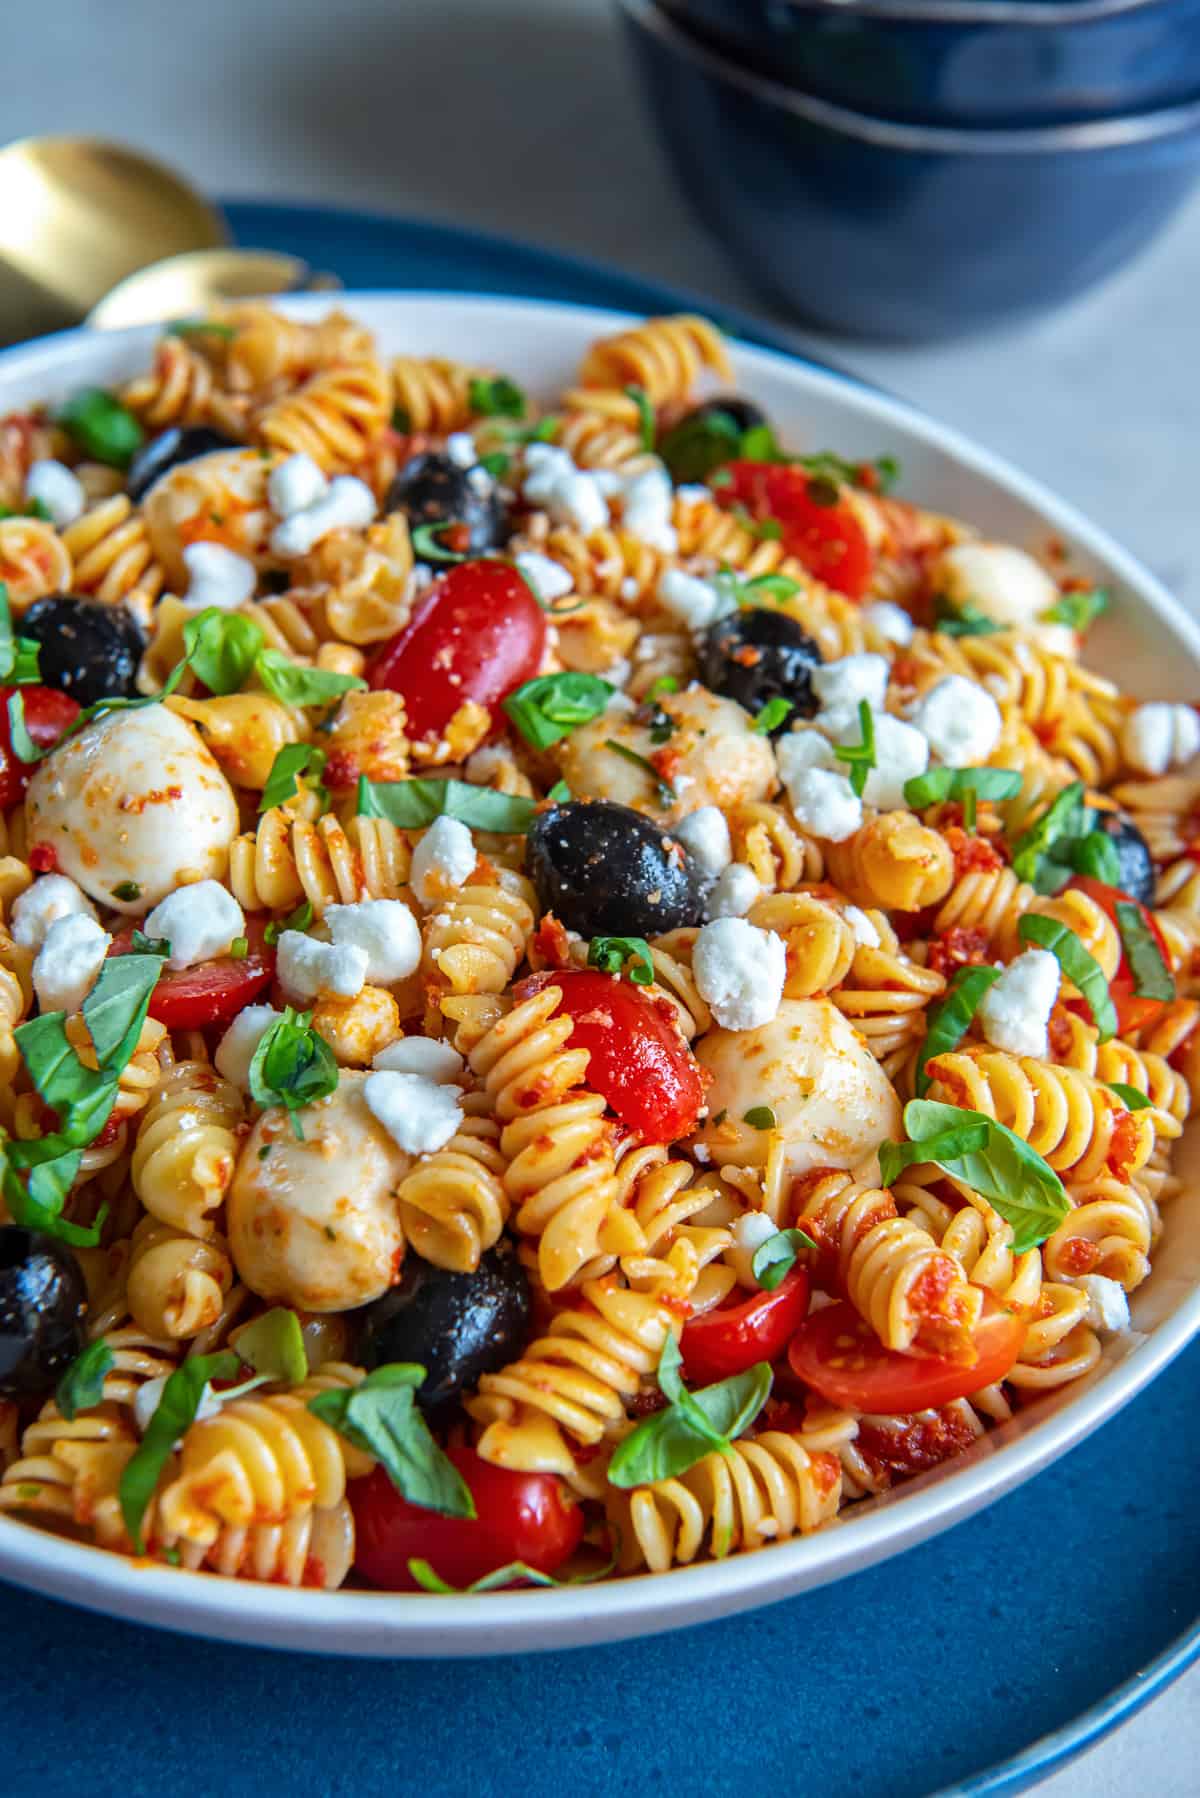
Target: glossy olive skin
[604, 870]
[87, 649]
[434, 489]
[43, 1301]
[457, 1326]
[691, 453]
[759, 655]
[1137, 865]
[171, 447]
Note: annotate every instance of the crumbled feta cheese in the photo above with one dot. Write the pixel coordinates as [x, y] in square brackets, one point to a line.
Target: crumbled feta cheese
[348, 504]
[58, 489]
[693, 493]
[622, 703]
[385, 930]
[548, 578]
[999, 580]
[570, 495]
[199, 921]
[52, 897]
[841, 687]
[733, 892]
[442, 860]
[901, 753]
[1015, 1010]
[695, 603]
[646, 514]
[310, 969]
[750, 1231]
[295, 484]
[1108, 1307]
[740, 971]
[68, 962]
[417, 1114]
[960, 720]
[460, 447]
[889, 621]
[817, 786]
[705, 836]
[1159, 736]
[217, 577]
[237, 1047]
[148, 1395]
[865, 933]
[424, 1056]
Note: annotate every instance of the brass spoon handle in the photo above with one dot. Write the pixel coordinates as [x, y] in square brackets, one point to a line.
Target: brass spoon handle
[188, 286]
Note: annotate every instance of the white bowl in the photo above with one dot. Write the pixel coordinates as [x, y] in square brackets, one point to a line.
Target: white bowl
[1146, 642]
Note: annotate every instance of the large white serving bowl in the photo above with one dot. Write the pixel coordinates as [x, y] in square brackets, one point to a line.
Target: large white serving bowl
[1147, 642]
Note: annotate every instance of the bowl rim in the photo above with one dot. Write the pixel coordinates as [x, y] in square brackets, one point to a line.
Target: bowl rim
[1033, 14]
[1129, 130]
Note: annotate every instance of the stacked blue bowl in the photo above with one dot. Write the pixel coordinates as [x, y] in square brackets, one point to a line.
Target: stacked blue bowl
[917, 169]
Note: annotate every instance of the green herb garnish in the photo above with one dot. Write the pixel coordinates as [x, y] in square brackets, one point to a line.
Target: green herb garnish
[774, 1259]
[949, 1020]
[987, 1156]
[610, 953]
[274, 1345]
[962, 621]
[103, 428]
[293, 1066]
[759, 1117]
[380, 1416]
[547, 709]
[1077, 964]
[1152, 978]
[772, 715]
[82, 1386]
[296, 765]
[173, 1417]
[428, 546]
[1079, 610]
[666, 793]
[860, 756]
[693, 1424]
[1130, 1097]
[940, 784]
[495, 397]
[300, 919]
[412, 804]
[647, 424]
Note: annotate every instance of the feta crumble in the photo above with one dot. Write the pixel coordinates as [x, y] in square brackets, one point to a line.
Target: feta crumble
[705, 835]
[57, 488]
[646, 514]
[817, 786]
[901, 753]
[460, 447]
[570, 495]
[294, 485]
[739, 971]
[237, 1048]
[890, 621]
[68, 962]
[841, 687]
[348, 504]
[419, 1115]
[695, 602]
[52, 897]
[198, 921]
[1108, 1306]
[217, 577]
[548, 578]
[733, 892]
[311, 970]
[442, 860]
[385, 930]
[1015, 1010]
[960, 721]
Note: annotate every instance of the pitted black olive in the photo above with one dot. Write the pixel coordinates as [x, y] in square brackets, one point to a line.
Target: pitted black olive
[708, 435]
[85, 648]
[759, 655]
[604, 870]
[457, 1326]
[1133, 855]
[168, 450]
[434, 489]
[42, 1304]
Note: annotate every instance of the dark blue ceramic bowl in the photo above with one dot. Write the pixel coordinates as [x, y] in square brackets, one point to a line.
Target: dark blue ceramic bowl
[877, 229]
[965, 62]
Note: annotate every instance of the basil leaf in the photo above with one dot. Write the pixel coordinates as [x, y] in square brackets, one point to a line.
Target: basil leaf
[759, 1117]
[291, 684]
[38, 1206]
[751, 592]
[610, 953]
[671, 1441]
[428, 546]
[496, 398]
[987, 1156]
[1096, 855]
[8, 643]
[774, 1259]
[560, 793]
[300, 919]
[292, 766]
[647, 423]
[412, 804]
[428, 1578]
[115, 1009]
[547, 709]
[772, 715]
[292, 1066]
[949, 1020]
[1129, 1096]
[860, 756]
[962, 621]
[173, 1417]
[274, 1345]
[221, 648]
[24, 747]
[1064, 818]
[380, 1416]
[1151, 977]
[1077, 964]
[665, 792]
[82, 1386]
[940, 784]
[757, 444]
[200, 327]
[700, 443]
[103, 428]
[1079, 610]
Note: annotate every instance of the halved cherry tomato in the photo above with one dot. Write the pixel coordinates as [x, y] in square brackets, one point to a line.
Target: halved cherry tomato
[734, 1337]
[1132, 1009]
[530, 1517]
[838, 1354]
[477, 634]
[214, 991]
[48, 713]
[639, 1062]
[828, 539]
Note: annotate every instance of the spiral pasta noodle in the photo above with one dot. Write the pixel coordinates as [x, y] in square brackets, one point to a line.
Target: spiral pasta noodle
[183, 1159]
[110, 553]
[333, 417]
[35, 560]
[453, 1204]
[288, 859]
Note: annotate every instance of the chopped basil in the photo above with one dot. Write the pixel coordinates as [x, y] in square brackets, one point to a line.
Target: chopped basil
[150, 945]
[665, 791]
[759, 1117]
[666, 683]
[693, 1425]
[103, 428]
[547, 709]
[291, 684]
[774, 1259]
[962, 621]
[427, 544]
[294, 766]
[274, 1345]
[222, 647]
[940, 784]
[18, 655]
[1065, 818]
[381, 1417]
[496, 464]
[700, 443]
[749, 592]
[293, 1066]
[173, 1417]
[200, 327]
[610, 953]
[300, 919]
[401, 421]
[987, 1156]
[1096, 855]
[860, 756]
[82, 1386]
[239, 948]
[1079, 610]
[832, 467]
[647, 424]
[950, 1019]
[560, 793]
[660, 724]
[509, 1575]
[24, 747]
[1130, 1097]
[126, 891]
[496, 398]
[772, 714]
[1151, 976]
[412, 804]
[1077, 964]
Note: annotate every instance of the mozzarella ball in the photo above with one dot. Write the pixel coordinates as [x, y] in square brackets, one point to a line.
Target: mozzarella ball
[713, 757]
[1007, 585]
[314, 1223]
[221, 498]
[831, 1099]
[133, 807]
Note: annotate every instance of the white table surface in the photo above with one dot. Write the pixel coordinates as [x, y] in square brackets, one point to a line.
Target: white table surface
[520, 116]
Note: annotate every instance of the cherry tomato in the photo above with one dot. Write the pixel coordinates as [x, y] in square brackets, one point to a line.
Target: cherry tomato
[837, 1353]
[48, 714]
[477, 634]
[828, 539]
[639, 1062]
[530, 1517]
[734, 1337]
[1132, 1009]
[213, 992]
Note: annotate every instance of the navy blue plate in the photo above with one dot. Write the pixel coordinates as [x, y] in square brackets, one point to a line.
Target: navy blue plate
[977, 1662]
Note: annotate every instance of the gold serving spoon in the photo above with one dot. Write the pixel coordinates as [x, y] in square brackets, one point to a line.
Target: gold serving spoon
[188, 286]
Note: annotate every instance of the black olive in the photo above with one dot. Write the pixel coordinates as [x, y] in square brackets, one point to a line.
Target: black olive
[434, 489]
[86, 649]
[604, 870]
[708, 435]
[759, 655]
[1133, 855]
[168, 450]
[42, 1304]
[457, 1326]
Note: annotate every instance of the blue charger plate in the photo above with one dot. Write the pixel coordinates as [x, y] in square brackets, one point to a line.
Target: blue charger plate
[976, 1663]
